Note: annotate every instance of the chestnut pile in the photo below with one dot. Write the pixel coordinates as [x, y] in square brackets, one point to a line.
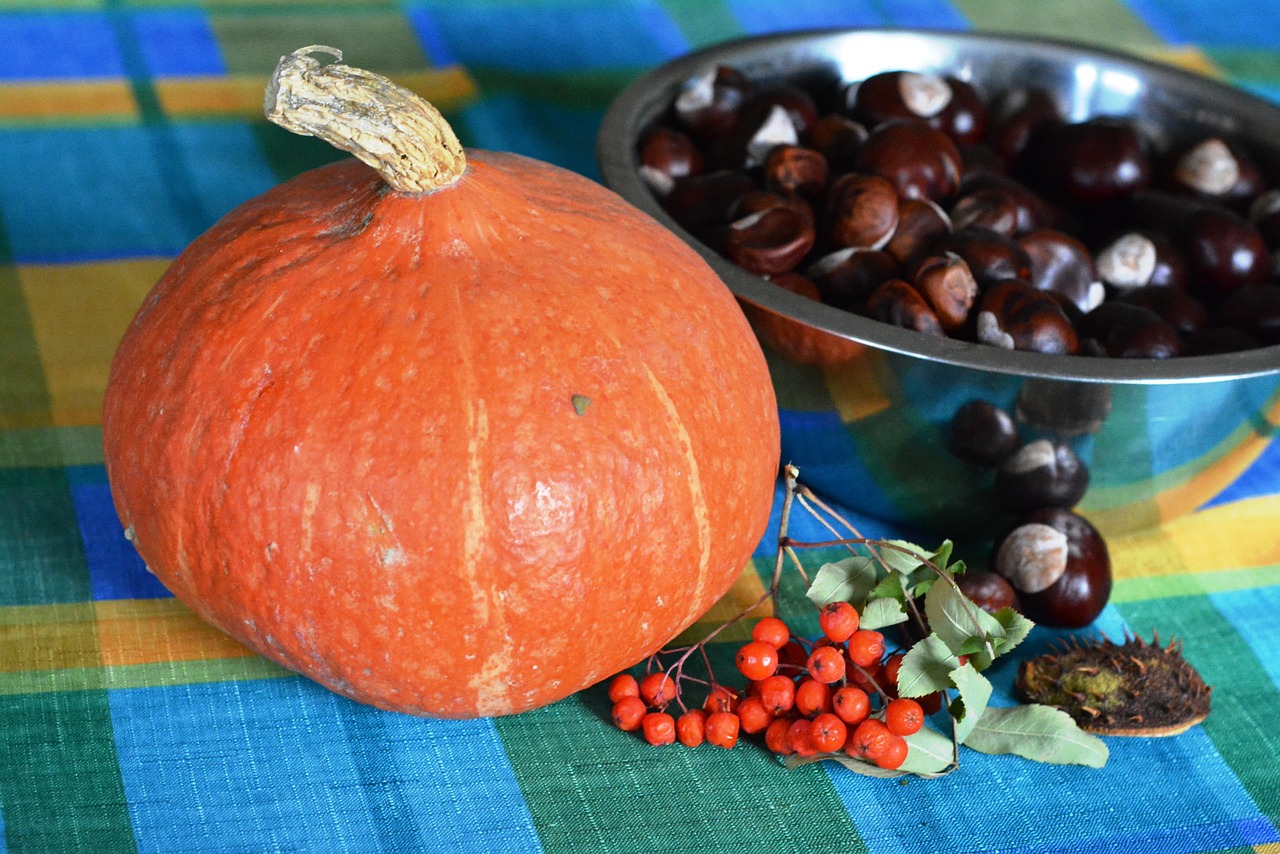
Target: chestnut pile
[910, 199]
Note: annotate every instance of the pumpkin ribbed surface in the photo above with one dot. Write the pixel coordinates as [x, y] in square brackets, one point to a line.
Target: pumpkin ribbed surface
[454, 454]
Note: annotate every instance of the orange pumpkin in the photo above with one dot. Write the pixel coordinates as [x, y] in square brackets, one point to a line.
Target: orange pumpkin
[454, 452]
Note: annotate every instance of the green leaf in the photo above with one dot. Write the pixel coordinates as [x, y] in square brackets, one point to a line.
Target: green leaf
[848, 580]
[1039, 733]
[968, 709]
[859, 766]
[890, 587]
[1015, 626]
[905, 559]
[929, 753]
[926, 668]
[957, 621]
[879, 613]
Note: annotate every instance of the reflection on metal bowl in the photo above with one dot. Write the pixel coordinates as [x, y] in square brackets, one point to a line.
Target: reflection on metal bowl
[869, 425]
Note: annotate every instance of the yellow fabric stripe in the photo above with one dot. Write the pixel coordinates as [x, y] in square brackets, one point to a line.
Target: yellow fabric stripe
[41, 103]
[745, 591]
[1232, 536]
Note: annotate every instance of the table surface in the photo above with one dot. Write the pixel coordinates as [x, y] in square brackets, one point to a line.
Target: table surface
[127, 128]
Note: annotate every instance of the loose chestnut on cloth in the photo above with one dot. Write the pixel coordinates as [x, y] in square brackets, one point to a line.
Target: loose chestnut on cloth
[454, 433]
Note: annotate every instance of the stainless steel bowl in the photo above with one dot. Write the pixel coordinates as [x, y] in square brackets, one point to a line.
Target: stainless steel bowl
[1160, 437]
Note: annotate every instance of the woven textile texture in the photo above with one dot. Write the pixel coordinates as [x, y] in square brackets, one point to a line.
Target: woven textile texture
[127, 127]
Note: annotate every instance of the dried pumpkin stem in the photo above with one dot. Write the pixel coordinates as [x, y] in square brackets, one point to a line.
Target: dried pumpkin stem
[388, 127]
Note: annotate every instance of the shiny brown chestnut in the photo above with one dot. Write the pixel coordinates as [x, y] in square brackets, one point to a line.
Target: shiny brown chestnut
[1064, 558]
[982, 434]
[1091, 162]
[861, 210]
[897, 303]
[796, 169]
[899, 95]
[989, 590]
[1042, 473]
[1000, 203]
[920, 161]
[1139, 259]
[1264, 214]
[966, 116]
[921, 223]
[838, 138]
[991, 256]
[703, 201]
[1017, 116]
[1214, 168]
[1255, 311]
[708, 104]
[1014, 315]
[1062, 265]
[1129, 331]
[1179, 309]
[667, 155]
[768, 242]
[949, 288]
[846, 277]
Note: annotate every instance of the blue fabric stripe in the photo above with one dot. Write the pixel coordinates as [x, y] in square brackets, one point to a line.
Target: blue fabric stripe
[1237, 23]
[57, 45]
[115, 570]
[1252, 613]
[763, 16]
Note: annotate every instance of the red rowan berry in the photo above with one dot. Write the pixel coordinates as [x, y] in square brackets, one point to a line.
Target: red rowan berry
[793, 653]
[623, 685]
[869, 740]
[753, 715]
[903, 716]
[866, 647]
[776, 738]
[838, 621]
[720, 699]
[778, 693]
[851, 704]
[722, 729]
[691, 727]
[757, 660]
[800, 737]
[772, 631]
[658, 689]
[892, 665]
[826, 664]
[895, 753]
[628, 713]
[828, 733]
[659, 728]
[869, 679]
[812, 697]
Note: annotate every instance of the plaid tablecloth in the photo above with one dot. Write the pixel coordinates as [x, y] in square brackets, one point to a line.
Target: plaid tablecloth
[128, 126]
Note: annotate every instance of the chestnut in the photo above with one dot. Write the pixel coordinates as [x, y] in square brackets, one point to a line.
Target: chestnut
[982, 434]
[805, 345]
[921, 162]
[1000, 203]
[989, 590]
[1178, 308]
[746, 145]
[1130, 331]
[1042, 473]
[1059, 565]
[1014, 315]
[846, 277]
[948, 287]
[861, 210]
[837, 138]
[1264, 214]
[991, 256]
[707, 105]
[667, 155]
[1091, 162]
[1138, 259]
[897, 303]
[796, 169]
[898, 95]
[703, 201]
[1216, 169]
[1063, 265]
[921, 223]
[965, 116]
[1219, 339]
[768, 242]
[1255, 311]
[1063, 408]
[1019, 115]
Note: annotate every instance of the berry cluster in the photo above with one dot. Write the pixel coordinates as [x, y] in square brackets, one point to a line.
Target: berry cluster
[836, 694]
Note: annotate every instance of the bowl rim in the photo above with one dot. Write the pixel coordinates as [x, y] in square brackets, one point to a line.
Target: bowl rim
[648, 95]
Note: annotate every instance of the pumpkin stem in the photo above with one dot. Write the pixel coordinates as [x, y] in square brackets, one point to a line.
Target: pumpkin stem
[385, 125]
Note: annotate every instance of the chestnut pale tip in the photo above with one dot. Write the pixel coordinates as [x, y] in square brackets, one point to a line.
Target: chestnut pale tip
[1209, 168]
[1129, 262]
[926, 95]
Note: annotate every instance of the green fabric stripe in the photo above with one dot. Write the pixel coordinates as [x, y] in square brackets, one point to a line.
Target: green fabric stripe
[24, 398]
[703, 22]
[585, 783]
[48, 447]
[40, 539]
[1242, 724]
[1101, 22]
[586, 91]
[157, 674]
[1194, 584]
[62, 790]
[252, 40]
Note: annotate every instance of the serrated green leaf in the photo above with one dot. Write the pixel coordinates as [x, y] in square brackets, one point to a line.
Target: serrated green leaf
[848, 580]
[926, 668]
[904, 559]
[879, 613]
[859, 766]
[929, 752]
[1015, 627]
[1039, 733]
[974, 693]
[943, 555]
[890, 587]
[957, 620]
